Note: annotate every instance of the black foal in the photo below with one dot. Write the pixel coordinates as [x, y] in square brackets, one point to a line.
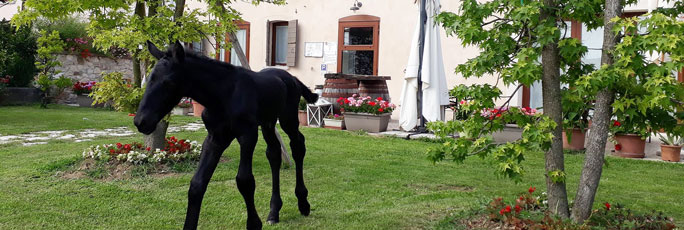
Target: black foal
[236, 102]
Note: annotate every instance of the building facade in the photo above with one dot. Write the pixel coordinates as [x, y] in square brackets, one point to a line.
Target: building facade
[309, 38]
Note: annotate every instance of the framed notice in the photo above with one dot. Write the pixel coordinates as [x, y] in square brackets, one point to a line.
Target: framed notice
[313, 49]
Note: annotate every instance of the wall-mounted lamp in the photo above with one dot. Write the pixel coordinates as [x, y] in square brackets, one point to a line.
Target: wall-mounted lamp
[357, 5]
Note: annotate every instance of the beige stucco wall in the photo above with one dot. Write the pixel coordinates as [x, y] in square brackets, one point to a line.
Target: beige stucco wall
[318, 22]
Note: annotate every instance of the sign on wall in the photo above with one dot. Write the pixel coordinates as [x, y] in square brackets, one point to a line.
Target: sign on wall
[330, 51]
[313, 49]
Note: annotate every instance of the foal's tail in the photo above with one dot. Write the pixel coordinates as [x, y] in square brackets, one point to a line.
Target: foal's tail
[306, 92]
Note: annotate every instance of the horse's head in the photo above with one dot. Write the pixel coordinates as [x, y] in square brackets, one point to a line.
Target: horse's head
[166, 85]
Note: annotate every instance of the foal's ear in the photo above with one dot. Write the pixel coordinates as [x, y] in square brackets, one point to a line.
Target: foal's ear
[154, 50]
[178, 52]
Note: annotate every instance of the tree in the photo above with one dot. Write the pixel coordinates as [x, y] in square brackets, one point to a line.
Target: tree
[628, 83]
[513, 36]
[129, 24]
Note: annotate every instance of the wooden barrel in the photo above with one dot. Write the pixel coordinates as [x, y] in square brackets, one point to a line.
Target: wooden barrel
[374, 89]
[336, 88]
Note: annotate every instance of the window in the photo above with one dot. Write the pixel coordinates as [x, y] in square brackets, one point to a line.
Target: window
[242, 34]
[196, 46]
[282, 43]
[358, 45]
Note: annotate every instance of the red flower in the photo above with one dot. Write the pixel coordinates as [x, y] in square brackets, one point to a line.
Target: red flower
[616, 123]
[501, 212]
[346, 101]
[379, 98]
[131, 114]
[498, 115]
[517, 208]
[607, 205]
[148, 148]
[111, 150]
[127, 146]
[372, 103]
[118, 145]
[508, 208]
[618, 147]
[532, 189]
[380, 110]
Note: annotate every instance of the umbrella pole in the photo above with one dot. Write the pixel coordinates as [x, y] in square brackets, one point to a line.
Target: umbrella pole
[421, 47]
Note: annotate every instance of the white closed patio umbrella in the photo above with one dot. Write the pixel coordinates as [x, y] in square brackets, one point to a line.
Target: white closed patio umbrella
[425, 89]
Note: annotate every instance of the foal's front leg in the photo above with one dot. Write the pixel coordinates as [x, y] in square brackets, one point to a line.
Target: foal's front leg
[212, 149]
[245, 178]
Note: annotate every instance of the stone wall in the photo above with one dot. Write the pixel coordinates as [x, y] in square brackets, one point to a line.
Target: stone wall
[91, 68]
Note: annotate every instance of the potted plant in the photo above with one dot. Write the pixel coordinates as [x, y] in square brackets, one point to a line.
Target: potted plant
[334, 121]
[365, 113]
[183, 107]
[575, 125]
[302, 112]
[671, 147]
[82, 89]
[629, 135]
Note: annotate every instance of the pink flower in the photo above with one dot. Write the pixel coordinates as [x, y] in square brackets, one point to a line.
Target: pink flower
[463, 102]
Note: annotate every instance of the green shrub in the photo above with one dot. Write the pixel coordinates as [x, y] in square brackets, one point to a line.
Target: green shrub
[114, 88]
[17, 54]
[73, 31]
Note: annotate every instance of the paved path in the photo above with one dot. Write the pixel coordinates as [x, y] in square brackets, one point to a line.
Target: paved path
[43, 137]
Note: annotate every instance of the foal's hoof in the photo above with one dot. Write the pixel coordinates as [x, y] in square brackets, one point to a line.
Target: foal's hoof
[304, 208]
[254, 225]
[273, 219]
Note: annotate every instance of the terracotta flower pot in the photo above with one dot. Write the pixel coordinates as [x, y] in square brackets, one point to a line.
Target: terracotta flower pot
[577, 140]
[197, 109]
[302, 118]
[670, 152]
[632, 146]
[369, 122]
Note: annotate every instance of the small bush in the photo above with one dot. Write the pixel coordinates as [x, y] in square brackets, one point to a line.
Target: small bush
[114, 88]
[17, 54]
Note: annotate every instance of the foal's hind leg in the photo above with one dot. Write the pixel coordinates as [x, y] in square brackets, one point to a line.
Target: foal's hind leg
[212, 149]
[274, 158]
[290, 125]
[245, 178]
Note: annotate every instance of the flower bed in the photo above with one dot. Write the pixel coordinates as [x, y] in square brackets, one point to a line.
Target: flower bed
[135, 153]
[83, 88]
[531, 211]
[356, 104]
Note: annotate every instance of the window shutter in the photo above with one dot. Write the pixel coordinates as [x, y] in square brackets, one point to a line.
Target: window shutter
[292, 43]
[269, 42]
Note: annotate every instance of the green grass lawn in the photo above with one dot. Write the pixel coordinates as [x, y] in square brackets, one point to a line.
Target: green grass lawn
[354, 181]
[24, 119]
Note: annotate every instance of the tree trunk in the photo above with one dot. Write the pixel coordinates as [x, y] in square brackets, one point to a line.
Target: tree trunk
[593, 163]
[558, 196]
[152, 7]
[180, 6]
[137, 76]
[157, 139]
[137, 73]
